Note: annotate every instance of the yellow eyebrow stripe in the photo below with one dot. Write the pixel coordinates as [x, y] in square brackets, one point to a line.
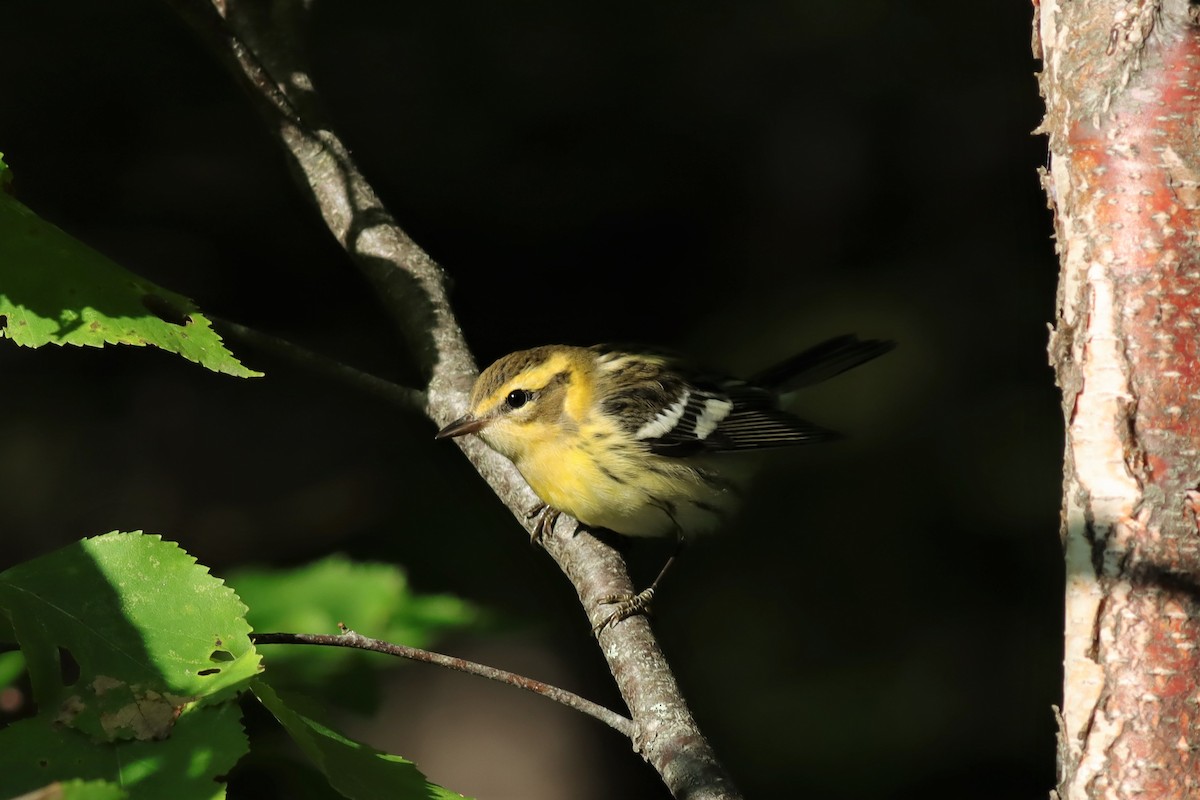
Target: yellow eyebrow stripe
[532, 379]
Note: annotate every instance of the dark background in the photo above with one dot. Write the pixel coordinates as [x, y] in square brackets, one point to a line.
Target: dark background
[735, 180]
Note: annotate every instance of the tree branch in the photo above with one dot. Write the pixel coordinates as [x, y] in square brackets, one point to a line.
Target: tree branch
[348, 638]
[404, 397]
[259, 42]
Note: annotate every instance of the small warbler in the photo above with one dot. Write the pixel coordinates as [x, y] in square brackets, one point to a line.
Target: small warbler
[639, 442]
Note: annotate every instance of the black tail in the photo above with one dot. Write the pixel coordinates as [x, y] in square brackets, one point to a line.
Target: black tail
[821, 362]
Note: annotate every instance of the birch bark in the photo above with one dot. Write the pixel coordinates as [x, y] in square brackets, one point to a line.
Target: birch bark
[1121, 82]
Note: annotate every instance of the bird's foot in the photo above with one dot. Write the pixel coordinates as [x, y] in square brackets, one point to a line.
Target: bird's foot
[547, 517]
[627, 605]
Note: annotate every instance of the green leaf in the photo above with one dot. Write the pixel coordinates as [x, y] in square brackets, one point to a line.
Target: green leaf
[5, 175]
[12, 666]
[373, 599]
[56, 290]
[91, 790]
[205, 744]
[77, 790]
[151, 631]
[367, 596]
[354, 769]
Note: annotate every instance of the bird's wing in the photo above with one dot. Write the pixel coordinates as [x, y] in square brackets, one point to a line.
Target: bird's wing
[694, 416]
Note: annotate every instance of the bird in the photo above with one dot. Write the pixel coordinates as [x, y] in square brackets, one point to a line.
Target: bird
[640, 441]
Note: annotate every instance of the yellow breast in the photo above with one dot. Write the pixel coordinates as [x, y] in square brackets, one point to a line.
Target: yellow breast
[619, 486]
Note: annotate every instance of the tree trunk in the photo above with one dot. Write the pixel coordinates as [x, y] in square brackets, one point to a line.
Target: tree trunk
[1122, 86]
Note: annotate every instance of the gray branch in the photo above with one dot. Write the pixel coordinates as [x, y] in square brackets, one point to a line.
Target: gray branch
[351, 639]
[260, 42]
[403, 397]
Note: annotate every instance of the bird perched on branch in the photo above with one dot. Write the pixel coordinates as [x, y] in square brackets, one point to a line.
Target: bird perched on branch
[639, 442]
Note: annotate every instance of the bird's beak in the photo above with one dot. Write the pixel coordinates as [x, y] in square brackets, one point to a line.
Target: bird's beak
[461, 427]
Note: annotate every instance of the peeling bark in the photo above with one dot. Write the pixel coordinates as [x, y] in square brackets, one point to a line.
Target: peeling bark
[1122, 87]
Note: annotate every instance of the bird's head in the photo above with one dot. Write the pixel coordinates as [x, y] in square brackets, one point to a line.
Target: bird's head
[524, 399]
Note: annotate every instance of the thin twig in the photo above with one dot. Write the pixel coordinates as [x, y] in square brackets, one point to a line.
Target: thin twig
[349, 638]
[403, 396]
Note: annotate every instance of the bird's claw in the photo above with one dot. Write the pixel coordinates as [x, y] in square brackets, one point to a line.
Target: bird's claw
[547, 517]
[545, 525]
[627, 605]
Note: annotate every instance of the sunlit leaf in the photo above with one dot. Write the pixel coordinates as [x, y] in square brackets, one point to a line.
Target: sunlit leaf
[56, 290]
[150, 630]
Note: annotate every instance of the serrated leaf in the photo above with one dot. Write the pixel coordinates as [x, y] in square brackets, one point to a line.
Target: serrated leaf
[151, 631]
[56, 290]
[205, 745]
[354, 769]
[373, 599]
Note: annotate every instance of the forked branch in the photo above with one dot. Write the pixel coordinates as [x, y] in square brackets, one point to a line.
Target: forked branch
[260, 43]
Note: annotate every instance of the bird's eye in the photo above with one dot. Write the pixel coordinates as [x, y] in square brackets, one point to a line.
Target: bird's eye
[517, 398]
